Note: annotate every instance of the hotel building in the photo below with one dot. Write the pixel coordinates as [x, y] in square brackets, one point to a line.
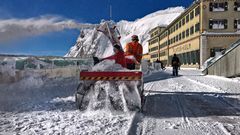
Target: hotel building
[206, 27]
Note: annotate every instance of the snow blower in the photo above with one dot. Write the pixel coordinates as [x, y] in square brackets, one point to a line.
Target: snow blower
[113, 90]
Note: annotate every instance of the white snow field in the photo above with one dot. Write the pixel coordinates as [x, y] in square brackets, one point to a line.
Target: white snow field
[190, 104]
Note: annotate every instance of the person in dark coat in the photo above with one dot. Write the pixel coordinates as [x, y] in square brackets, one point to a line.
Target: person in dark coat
[175, 65]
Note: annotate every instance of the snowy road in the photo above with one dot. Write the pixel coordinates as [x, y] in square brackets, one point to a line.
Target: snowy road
[190, 104]
[186, 105]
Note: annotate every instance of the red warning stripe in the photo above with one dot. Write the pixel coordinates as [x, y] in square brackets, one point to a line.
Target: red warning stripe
[85, 75]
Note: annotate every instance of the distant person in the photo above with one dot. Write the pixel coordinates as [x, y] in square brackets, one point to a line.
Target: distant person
[157, 64]
[175, 65]
[134, 49]
[161, 64]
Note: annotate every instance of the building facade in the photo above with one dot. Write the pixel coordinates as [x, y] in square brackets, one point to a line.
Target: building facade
[206, 27]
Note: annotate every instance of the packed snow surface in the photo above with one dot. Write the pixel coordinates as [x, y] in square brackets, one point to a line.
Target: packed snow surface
[185, 105]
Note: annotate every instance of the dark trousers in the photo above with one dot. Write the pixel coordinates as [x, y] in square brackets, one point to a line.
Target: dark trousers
[175, 70]
[131, 66]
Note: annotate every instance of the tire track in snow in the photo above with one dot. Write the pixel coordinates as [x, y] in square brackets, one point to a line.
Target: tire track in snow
[194, 124]
[219, 97]
[176, 86]
[138, 125]
[222, 120]
[148, 126]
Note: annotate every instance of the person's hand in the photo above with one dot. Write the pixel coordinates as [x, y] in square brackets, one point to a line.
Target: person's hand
[96, 60]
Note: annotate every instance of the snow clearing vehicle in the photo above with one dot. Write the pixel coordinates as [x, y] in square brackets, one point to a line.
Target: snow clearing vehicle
[111, 88]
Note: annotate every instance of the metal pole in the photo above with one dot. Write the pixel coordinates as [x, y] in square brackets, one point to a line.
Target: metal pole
[110, 12]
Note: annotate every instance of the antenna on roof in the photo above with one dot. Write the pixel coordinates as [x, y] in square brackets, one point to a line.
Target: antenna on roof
[110, 12]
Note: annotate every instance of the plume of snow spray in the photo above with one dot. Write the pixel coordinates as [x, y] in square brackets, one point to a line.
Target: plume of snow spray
[17, 28]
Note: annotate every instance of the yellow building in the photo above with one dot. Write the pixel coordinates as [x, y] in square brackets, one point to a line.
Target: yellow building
[206, 27]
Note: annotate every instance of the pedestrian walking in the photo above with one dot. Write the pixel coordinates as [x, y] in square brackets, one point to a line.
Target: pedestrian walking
[175, 65]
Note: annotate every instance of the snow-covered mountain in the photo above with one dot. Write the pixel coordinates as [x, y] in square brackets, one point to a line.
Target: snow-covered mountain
[89, 43]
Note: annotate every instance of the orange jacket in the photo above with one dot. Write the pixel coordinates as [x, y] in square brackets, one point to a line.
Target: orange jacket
[134, 49]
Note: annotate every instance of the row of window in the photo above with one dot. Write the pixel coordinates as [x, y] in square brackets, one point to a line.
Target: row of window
[163, 45]
[153, 49]
[222, 6]
[222, 24]
[154, 41]
[154, 56]
[154, 33]
[162, 54]
[165, 34]
[185, 20]
[188, 58]
[185, 34]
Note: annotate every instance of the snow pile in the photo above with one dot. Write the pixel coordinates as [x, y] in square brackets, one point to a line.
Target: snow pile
[107, 65]
[7, 66]
[90, 42]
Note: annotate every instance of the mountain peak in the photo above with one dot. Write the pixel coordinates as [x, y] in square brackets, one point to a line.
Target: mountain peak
[92, 44]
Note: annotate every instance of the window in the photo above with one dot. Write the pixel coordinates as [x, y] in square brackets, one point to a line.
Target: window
[197, 11]
[187, 18]
[193, 56]
[154, 48]
[237, 6]
[180, 24]
[189, 58]
[197, 52]
[154, 56]
[183, 21]
[184, 58]
[180, 36]
[162, 54]
[192, 15]
[183, 34]
[218, 24]
[214, 51]
[192, 30]
[163, 45]
[215, 7]
[187, 32]
[180, 56]
[197, 27]
[176, 38]
[237, 23]
[154, 41]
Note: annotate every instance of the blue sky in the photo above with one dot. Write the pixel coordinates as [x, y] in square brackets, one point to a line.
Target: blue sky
[81, 11]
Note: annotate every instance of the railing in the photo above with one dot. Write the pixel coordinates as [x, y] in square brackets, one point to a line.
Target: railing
[43, 62]
[15, 68]
[228, 64]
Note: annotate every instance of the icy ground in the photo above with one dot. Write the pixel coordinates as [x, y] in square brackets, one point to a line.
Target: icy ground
[185, 105]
